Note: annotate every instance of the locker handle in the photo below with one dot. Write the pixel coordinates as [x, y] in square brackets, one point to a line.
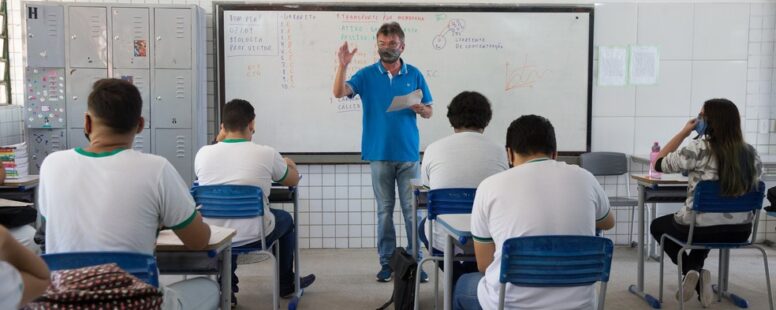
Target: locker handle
[158, 38]
[73, 37]
[75, 97]
[159, 98]
[115, 37]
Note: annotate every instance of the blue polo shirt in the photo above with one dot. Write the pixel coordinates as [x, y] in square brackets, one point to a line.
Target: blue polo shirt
[391, 136]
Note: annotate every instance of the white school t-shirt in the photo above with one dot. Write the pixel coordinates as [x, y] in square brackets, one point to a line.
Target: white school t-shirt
[241, 162]
[112, 201]
[545, 197]
[461, 160]
[11, 286]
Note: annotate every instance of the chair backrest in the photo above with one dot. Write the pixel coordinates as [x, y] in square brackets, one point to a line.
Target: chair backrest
[707, 199]
[604, 163]
[556, 261]
[450, 201]
[229, 201]
[142, 266]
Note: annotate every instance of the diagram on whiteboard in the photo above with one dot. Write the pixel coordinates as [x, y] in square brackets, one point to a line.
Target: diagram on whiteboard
[523, 76]
[454, 27]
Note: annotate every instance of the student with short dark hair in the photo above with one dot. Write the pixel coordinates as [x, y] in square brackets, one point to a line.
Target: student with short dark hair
[109, 197]
[463, 159]
[539, 196]
[235, 160]
[718, 153]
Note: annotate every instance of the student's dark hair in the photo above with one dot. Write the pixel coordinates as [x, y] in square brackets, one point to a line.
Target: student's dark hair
[391, 28]
[237, 115]
[735, 158]
[117, 103]
[469, 109]
[531, 134]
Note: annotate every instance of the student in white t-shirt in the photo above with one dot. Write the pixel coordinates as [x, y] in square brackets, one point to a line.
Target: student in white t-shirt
[23, 274]
[109, 197]
[462, 160]
[235, 160]
[539, 196]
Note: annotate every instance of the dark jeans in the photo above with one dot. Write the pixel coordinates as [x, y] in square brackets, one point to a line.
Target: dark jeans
[694, 260]
[284, 232]
[459, 268]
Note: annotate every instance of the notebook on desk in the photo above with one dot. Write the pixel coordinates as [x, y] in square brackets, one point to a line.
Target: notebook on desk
[13, 203]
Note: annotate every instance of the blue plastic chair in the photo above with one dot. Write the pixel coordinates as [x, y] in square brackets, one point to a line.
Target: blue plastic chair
[556, 261]
[707, 199]
[142, 266]
[443, 201]
[239, 202]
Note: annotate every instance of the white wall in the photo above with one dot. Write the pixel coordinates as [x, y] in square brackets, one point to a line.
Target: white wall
[708, 48]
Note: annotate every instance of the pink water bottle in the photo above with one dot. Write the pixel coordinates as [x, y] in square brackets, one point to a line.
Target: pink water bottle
[652, 159]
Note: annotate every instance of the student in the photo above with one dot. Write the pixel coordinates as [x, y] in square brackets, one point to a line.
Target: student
[463, 159]
[109, 197]
[24, 234]
[390, 140]
[237, 161]
[24, 275]
[718, 153]
[539, 196]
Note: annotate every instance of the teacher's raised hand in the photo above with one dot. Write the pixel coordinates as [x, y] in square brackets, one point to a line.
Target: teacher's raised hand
[345, 55]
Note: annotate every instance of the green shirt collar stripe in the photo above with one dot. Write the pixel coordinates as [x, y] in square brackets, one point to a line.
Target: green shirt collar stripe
[97, 155]
[284, 176]
[482, 240]
[234, 140]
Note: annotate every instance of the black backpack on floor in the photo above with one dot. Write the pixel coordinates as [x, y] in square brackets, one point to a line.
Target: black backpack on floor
[772, 199]
[404, 269]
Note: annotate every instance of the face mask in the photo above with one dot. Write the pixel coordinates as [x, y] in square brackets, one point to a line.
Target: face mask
[389, 55]
[700, 126]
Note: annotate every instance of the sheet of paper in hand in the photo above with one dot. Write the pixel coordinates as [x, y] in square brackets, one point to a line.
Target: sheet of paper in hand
[406, 101]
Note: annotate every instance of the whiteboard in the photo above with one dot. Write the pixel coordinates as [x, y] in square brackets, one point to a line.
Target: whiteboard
[525, 60]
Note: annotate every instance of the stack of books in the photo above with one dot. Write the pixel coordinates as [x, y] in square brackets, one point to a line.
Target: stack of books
[14, 160]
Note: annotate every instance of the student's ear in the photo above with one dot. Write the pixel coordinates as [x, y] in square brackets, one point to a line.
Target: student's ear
[510, 158]
[87, 123]
[252, 126]
[140, 125]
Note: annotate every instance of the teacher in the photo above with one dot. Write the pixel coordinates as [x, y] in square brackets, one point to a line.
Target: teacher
[389, 140]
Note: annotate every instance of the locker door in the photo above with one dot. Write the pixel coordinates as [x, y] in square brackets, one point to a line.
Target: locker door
[88, 37]
[79, 85]
[45, 36]
[43, 142]
[44, 100]
[171, 101]
[130, 37]
[142, 142]
[172, 29]
[140, 78]
[175, 145]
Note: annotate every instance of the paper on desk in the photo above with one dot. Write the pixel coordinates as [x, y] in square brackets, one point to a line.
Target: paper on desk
[217, 234]
[406, 101]
[13, 203]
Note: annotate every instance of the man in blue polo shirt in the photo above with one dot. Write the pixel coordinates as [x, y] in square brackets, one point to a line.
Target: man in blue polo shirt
[389, 140]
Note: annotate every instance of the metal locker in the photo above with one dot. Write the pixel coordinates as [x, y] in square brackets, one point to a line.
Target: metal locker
[171, 101]
[45, 35]
[79, 87]
[130, 37]
[142, 142]
[141, 79]
[175, 145]
[43, 142]
[172, 35]
[44, 97]
[88, 37]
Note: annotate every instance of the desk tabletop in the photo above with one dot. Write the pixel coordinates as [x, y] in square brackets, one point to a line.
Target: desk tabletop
[169, 241]
[23, 181]
[665, 179]
[456, 225]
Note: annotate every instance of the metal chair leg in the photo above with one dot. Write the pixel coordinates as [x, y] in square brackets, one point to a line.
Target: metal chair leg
[679, 274]
[662, 259]
[767, 275]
